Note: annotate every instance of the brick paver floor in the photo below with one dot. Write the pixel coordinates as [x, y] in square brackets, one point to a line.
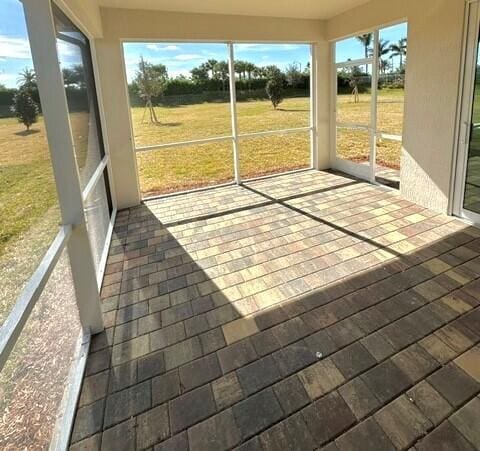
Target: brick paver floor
[305, 311]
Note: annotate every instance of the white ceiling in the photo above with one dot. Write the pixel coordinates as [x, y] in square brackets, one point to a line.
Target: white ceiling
[303, 9]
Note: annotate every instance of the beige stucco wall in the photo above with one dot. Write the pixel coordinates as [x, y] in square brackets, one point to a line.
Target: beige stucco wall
[121, 24]
[86, 14]
[435, 29]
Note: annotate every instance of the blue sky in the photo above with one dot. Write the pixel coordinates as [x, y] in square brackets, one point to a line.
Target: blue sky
[352, 48]
[179, 58]
[15, 52]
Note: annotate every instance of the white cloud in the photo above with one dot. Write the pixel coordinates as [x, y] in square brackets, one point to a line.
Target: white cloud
[188, 57]
[166, 48]
[18, 48]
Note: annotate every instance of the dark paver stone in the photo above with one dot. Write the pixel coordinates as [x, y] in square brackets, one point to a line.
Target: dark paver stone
[403, 422]
[236, 355]
[182, 352]
[386, 381]
[152, 426]
[94, 388]
[123, 376]
[290, 434]
[328, 417]
[444, 438]
[359, 398]
[190, 408]
[212, 341]
[258, 375]
[291, 394]
[433, 405]
[453, 384]
[353, 360]
[415, 362]
[165, 387]
[467, 421]
[294, 357]
[151, 365]
[200, 372]
[368, 435]
[257, 412]
[217, 433]
[120, 437]
[88, 421]
[126, 403]
[265, 342]
[178, 442]
[227, 390]
[98, 361]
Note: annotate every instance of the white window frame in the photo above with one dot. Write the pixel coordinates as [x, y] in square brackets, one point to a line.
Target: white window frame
[365, 171]
[465, 107]
[235, 137]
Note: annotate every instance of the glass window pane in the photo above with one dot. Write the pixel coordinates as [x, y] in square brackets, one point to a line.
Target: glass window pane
[353, 145]
[391, 79]
[356, 48]
[29, 213]
[472, 177]
[35, 376]
[354, 99]
[182, 168]
[75, 61]
[178, 91]
[97, 215]
[280, 69]
[265, 155]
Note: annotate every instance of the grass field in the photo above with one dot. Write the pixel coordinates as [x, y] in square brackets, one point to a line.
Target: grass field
[180, 168]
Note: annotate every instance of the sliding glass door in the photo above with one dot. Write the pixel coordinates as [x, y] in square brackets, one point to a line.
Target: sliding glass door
[467, 186]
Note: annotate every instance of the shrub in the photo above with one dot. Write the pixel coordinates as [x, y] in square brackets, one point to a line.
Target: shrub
[25, 108]
[274, 90]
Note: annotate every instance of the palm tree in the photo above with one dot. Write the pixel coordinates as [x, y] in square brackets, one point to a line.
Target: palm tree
[399, 49]
[221, 72]
[27, 79]
[366, 40]
[383, 65]
[250, 68]
[240, 69]
[210, 65]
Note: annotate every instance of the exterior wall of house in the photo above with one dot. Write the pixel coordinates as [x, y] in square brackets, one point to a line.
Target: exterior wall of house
[130, 24]
[435, 31]
[86, 12]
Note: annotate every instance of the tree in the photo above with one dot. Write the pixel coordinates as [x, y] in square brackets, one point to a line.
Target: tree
[221, 72]
[240, 69]
[200, 74]
[274, 87]
[366, 40]
[27, 80]
[384, 65]
[272, 71]
[210, 66]
[24, 108]
[399, 49]
[74, 76]
[294, 75]
[151, 80]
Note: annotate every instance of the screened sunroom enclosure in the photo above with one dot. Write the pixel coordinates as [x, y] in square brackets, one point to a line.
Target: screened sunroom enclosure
[228, 135]
[204, 269]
